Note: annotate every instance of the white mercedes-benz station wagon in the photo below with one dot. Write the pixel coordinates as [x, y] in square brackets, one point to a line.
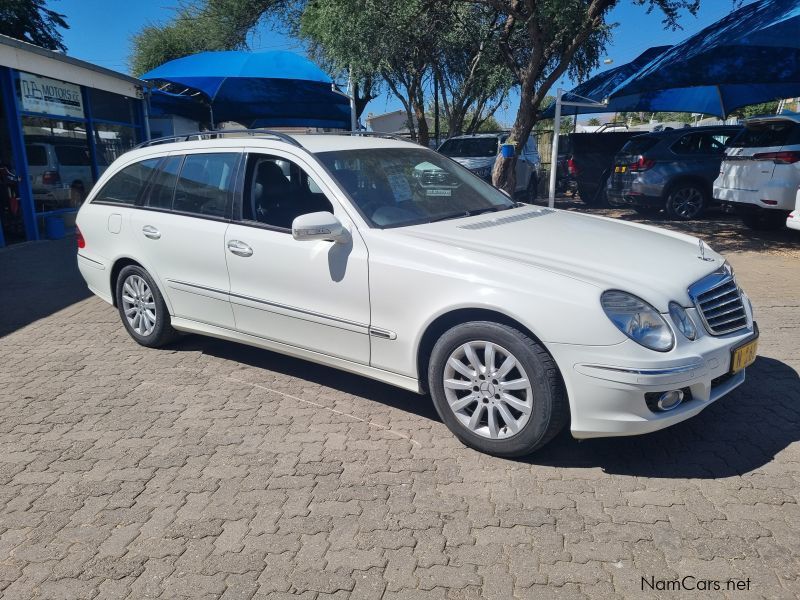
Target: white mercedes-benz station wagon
[386, 259]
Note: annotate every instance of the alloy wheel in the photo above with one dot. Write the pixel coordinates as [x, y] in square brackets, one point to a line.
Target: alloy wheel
[139, 305]
[687, 202]
[488, 390]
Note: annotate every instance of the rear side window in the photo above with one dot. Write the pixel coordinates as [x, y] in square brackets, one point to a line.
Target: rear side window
[765, 134]
[205, 185]
[73, 156]
[639, 144]
[126, 186]
[37, 156]
[698, 143]
[162, 190]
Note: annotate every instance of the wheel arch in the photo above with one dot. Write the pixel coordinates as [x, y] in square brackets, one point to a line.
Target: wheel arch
[118, 265]
[678, 180]
[459, 316]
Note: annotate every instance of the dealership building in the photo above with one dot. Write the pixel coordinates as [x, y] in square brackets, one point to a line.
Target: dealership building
[62, 122]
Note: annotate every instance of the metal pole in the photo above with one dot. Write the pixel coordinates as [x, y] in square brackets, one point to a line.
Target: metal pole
[146, 113]
[436, 108]
[554, 156]
[352, 94]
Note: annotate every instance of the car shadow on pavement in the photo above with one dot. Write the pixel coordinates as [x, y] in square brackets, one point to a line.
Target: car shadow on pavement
[341, 381]
[38, 279]
[739, 433]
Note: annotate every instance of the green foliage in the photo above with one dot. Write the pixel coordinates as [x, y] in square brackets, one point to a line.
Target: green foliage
[198, 27]
[31, 21]
[765, 108]
[594, 122]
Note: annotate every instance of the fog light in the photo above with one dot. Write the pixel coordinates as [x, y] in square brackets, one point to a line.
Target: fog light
[669, 400]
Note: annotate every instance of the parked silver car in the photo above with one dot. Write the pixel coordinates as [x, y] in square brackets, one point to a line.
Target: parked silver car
[479, 151]
[672, 170]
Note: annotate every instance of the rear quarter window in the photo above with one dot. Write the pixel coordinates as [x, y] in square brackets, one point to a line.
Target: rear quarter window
[127, 186]
[639, 145]
[766, 134]
[73, 156]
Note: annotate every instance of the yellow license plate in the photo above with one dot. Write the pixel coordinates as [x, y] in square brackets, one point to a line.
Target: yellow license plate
[744, 356]
[619, 169]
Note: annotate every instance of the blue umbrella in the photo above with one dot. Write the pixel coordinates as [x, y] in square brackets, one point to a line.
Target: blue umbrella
[750, 56]
[257, 89]
[601, 85]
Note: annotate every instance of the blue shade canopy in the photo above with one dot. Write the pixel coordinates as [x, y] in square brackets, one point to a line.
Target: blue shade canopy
[748, 57]
[599, 87]
[257, 89]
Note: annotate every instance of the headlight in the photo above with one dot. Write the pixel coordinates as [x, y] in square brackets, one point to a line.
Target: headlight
[638, 320]
[683, 322]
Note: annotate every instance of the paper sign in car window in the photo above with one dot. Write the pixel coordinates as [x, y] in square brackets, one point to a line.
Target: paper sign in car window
[399, 184]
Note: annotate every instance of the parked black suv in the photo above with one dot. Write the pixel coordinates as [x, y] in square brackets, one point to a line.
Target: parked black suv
[672, 170]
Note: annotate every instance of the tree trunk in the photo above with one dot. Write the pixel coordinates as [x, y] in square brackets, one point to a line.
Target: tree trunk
[504, 173]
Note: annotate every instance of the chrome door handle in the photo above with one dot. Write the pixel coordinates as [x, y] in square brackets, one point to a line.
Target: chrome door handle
[239, 248]
[151, 232]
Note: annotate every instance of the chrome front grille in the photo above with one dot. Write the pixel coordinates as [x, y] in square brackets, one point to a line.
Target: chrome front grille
[719, 302]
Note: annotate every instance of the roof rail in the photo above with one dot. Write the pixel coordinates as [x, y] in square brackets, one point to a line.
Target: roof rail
[378, 134]
[204, 135]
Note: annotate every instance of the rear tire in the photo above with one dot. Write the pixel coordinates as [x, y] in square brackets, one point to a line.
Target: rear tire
[587, 194]
[142, 308]
[686, 201]
[504, 376]
[532, 191]
[765, 220]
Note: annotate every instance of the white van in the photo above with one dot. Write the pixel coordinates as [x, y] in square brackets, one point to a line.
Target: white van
[60, 174]
[760, 173]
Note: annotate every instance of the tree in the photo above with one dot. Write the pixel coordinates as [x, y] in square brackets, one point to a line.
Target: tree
[541, 40]
[31, 21]
[594, 122]
[198, 27]
[412, 45]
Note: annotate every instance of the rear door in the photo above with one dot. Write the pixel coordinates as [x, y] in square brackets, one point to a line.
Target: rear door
[741, 169]
[181, 232]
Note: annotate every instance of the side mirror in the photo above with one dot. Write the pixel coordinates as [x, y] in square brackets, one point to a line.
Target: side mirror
[319, 226]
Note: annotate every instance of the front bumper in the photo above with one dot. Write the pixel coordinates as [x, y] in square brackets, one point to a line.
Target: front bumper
[607, 385]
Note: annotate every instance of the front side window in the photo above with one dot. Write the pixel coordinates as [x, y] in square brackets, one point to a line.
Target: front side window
[205, 185]
[393, 187]
[126, 186]
[277, 191]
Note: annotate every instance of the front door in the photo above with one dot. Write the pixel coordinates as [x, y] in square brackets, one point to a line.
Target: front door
[313, 295]
[181, 232]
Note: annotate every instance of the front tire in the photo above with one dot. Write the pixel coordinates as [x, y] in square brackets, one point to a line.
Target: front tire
[496, 389]
[142, 308]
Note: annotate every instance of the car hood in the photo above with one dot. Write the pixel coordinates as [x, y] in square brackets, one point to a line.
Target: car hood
[475, 162]
[656, 264]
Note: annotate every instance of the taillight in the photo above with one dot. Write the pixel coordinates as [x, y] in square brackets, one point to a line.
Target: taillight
[51, 178]
[784, 157]
[571, 166]
[79, 238]
[642, 164]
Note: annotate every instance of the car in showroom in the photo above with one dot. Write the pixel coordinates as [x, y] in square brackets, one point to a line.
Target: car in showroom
[516, 319]
[760, 172]
[671, 170]
[478, 153]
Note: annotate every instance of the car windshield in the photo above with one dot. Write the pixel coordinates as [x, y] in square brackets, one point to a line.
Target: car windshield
[394, 187]
[469, 147]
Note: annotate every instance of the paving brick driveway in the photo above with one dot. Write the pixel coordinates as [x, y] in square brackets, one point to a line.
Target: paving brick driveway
[210, 469]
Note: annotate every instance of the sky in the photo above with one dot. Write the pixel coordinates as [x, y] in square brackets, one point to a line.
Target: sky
[101, 30]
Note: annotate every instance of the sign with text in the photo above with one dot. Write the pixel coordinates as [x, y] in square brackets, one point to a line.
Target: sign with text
[51, 96]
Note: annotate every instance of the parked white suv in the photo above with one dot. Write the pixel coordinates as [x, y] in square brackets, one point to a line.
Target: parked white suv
[760, 172]
[516, 318]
